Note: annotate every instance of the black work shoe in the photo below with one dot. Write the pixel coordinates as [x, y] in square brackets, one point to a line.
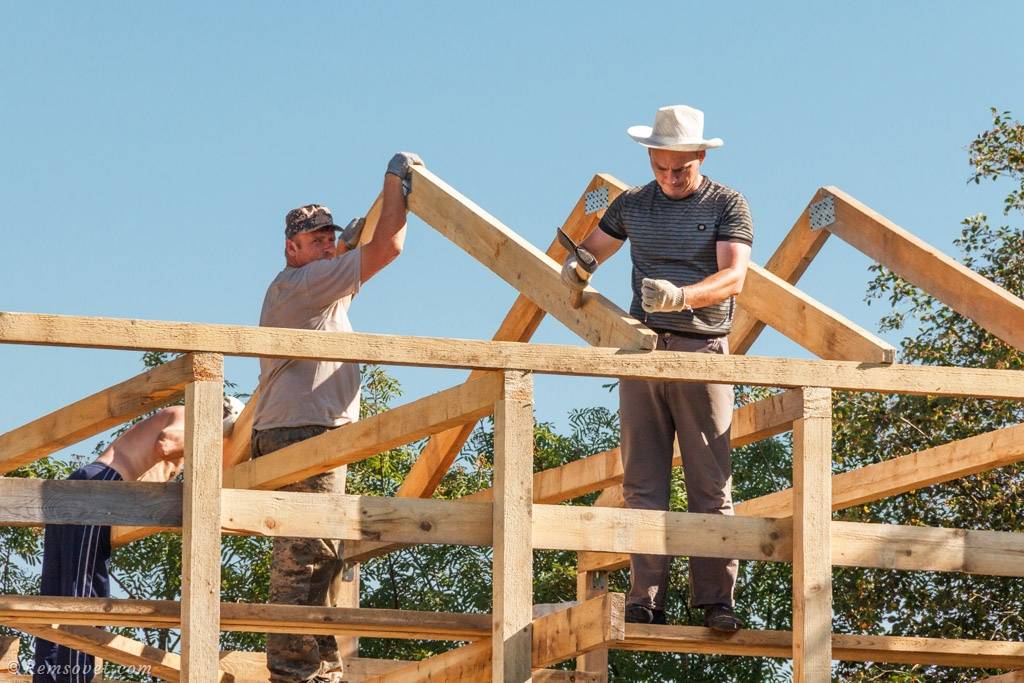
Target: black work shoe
[638, 614]
[721, 618]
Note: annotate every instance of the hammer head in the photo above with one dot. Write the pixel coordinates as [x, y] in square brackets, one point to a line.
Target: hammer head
[584, 258]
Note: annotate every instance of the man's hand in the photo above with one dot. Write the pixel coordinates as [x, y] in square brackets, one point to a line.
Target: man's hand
[660, 296]
[570, 278]
[400, 165]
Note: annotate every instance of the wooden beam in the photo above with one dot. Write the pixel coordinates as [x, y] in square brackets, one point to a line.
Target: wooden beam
[200, 531]
[656, 532]
[255, 618]
[598, 321]
[812, 539]
[512, 524]
[52, 330]
[921, 264]
[792, 257]
[360, 440]
[99, 412]
[854, 544]
[855, 648]
[519, 325]
[807, 322]
[905, 473]
[35, 502]
[350, 517]
[467, 663]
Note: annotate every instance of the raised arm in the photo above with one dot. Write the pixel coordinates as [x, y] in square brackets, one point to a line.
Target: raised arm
[389, 236]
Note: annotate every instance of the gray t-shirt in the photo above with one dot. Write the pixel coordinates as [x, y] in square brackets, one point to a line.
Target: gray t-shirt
[294, 393]
[675, 240]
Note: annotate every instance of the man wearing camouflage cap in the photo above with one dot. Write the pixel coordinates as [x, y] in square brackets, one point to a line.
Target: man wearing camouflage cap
[300, 399]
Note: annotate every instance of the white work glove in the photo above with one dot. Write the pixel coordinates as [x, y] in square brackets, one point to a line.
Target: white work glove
[570, 278]
[661, 296]
[400, 165]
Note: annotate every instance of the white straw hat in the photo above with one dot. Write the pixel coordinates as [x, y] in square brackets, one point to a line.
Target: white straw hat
[677, 127]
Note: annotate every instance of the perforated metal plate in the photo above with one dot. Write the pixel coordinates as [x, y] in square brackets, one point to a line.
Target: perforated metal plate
[823, 213]
[595, 201]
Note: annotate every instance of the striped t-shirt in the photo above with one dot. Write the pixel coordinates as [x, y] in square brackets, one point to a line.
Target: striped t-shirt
[674, 240]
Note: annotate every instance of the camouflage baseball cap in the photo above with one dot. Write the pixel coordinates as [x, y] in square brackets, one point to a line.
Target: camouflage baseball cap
[308, 218]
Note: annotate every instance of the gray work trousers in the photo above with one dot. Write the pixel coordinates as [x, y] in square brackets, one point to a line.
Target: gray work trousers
[653, 414]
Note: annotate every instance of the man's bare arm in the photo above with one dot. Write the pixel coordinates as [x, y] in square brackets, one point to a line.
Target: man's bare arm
[602, 245]
[733, 259]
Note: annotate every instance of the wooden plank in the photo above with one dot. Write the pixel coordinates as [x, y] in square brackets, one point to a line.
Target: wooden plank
[556, 637]
[200, 532]
[97, 413]
[792, 257]
[809, 323]
[256, 618]
[560, 676]
[511, 523]
[857, 648]
[360, 440]
[594, 623]
[905, 473]
[921, 264]
[598, 321]
[35, 502]
[660, 533]
[350, 517]
[812, 539]
[51, 330]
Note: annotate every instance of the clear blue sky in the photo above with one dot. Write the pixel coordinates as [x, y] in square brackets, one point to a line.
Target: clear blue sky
[149, 151]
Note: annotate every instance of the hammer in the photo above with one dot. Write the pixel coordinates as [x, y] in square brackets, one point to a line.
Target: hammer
[586, 264]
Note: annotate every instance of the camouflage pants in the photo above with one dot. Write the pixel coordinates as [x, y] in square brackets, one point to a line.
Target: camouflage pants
[301, 573]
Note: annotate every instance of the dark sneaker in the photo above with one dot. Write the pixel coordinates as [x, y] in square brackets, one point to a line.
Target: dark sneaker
[638, 614]
[721, 618]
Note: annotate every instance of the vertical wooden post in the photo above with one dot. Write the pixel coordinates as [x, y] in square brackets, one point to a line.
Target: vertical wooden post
[591, 585]
[812, 539]
[200, 525]
[513, 538]
[345, 589]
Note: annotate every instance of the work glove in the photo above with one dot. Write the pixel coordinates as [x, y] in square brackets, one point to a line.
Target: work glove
[400, 165]
[570, 278]
[661, 296]
[350, 235]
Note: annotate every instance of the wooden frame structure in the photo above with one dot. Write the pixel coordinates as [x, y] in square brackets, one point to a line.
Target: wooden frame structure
[521, 513]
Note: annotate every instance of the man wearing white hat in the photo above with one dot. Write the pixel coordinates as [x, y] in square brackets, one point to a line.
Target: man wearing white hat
[690, 241]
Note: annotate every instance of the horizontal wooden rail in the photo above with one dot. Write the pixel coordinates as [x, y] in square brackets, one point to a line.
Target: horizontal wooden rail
[371, 623]
[608, 530]
[893, 649]
[234, 340]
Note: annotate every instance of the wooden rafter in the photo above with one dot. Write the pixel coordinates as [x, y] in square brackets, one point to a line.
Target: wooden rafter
[807, 322]
[598, 321]
[921, 264]
[905, 473]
